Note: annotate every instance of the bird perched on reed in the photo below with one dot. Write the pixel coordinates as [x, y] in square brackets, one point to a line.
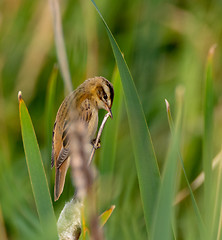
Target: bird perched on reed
[93, 94]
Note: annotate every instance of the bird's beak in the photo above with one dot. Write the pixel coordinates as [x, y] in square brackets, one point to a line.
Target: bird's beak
[109, 111]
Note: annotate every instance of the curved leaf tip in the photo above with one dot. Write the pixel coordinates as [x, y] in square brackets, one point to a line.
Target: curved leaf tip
[211, 52]
[167, 105]
[106, 215]
[19, 96]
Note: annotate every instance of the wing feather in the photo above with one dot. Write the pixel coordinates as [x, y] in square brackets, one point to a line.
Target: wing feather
[63, 155]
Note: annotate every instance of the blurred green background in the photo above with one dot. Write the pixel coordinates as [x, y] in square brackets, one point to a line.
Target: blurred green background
[165, 44]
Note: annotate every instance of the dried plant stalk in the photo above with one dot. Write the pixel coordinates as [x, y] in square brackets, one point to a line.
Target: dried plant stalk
[81, 173]
[60, 45]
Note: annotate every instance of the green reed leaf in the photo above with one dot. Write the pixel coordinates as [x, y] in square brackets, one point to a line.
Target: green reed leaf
[162, 227]
[195, 206]
[208, 140]
[146, 163]
[36, 171]
[110, 132]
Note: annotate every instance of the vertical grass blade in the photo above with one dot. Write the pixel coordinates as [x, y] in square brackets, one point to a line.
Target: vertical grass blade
[207, 138]
[60, 45]
[36, 171]
[195, 206]
[162, 227]
[146, 164]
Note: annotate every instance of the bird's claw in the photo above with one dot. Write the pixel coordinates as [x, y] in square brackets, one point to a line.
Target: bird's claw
[96, 146]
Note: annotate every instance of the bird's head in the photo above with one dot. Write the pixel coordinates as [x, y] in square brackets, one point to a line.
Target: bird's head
[103, 94]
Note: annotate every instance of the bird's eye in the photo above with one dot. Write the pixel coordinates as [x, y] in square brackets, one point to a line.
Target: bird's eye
[105, 97]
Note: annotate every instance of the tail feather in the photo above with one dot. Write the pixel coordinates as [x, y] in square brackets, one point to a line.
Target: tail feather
[60, 175]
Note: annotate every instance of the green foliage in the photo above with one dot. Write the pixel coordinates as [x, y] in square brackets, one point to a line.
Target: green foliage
[110, 133]
[50, 108]
[141, 140]
[196, 208]
[164, 208]
[105, 216]
[36, 171]
[207, 142]
[165, 44]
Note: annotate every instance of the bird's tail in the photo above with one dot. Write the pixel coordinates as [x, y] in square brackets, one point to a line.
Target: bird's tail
[60, 175]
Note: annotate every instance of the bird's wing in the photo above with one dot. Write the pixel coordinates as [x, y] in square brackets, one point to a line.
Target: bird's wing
[62, 159]
[64, 152]
[84, 115]
[61, 144]
[63, 155]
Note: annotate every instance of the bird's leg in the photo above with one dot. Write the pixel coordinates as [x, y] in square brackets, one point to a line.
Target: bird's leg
[98, 144]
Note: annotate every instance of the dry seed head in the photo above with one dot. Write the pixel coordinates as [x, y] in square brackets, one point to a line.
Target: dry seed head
[81, 172]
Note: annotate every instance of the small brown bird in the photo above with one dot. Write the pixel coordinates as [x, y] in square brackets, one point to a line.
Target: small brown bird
[93, 94]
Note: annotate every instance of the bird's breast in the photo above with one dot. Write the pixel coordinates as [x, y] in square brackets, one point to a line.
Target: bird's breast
[92, 125]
